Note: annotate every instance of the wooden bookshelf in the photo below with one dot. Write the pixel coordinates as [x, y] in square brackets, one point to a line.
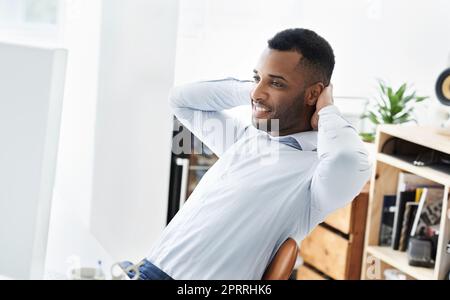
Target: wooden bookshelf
[384, 181]
[426, 172]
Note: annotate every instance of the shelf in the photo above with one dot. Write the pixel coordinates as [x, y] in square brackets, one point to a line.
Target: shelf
[399, 260]
[430, 173]
[420, 135]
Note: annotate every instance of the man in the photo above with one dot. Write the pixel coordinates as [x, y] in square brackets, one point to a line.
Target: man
[309, 162]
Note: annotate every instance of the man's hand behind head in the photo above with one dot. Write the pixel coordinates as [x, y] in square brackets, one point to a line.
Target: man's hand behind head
[325, 99]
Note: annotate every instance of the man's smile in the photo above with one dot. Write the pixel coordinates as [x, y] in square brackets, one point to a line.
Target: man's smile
[259, 110]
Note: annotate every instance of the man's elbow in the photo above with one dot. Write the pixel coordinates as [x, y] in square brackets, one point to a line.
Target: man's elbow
[174, 98]
[354, 163]
[342, 176]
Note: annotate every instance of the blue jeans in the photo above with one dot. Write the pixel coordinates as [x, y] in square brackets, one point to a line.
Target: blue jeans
[148, 271]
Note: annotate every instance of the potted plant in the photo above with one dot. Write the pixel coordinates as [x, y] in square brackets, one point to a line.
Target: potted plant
[392, 107]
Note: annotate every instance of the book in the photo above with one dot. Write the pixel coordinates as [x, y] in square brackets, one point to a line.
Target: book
[405, 196]
[418, 194]
[387, 220]
[408, 219]
[429, 211]
[412, 187]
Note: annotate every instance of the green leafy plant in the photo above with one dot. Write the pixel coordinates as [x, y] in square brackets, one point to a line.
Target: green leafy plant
[392, 107]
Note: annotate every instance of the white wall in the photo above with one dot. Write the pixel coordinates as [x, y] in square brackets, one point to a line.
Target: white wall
[69, 235]
[224, 38]
[81, 35]
[400, 41]
[133, 129]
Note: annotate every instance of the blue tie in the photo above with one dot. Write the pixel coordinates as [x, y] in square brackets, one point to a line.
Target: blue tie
[290, 141]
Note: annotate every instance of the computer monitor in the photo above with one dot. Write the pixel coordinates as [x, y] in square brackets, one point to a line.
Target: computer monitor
[31, 93]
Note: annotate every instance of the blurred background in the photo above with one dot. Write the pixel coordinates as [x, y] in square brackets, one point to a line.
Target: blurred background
[113, 171]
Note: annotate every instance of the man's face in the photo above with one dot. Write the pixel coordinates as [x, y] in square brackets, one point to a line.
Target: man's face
[279, 92]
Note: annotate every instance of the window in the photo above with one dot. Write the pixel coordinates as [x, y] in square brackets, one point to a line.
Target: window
[31, 20]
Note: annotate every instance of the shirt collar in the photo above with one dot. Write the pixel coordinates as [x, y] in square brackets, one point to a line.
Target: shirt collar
[306, 139]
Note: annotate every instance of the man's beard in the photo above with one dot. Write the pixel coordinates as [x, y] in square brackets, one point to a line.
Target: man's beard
[283, 120]
[267, 125]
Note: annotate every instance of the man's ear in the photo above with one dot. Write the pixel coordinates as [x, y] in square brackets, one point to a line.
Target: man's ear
[313, 92]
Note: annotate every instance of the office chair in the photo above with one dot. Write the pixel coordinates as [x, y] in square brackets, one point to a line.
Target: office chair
[282, 264]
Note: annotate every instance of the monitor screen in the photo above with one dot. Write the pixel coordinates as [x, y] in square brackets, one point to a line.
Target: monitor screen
[31, 93]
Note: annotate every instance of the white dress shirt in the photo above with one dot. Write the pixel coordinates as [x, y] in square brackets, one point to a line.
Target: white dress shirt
[260, 192]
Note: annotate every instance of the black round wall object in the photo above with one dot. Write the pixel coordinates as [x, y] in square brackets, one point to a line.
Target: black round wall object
[443, 87]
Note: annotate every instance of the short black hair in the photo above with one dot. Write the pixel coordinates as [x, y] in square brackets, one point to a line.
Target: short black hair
[318, 56]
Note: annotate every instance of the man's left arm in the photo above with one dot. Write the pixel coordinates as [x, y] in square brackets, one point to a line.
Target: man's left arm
[344, 165]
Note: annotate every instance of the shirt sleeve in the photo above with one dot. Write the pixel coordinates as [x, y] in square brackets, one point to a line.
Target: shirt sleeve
[344, 166]
[201, 108]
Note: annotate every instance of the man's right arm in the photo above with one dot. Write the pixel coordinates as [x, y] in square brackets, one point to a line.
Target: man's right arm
[200, 108]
